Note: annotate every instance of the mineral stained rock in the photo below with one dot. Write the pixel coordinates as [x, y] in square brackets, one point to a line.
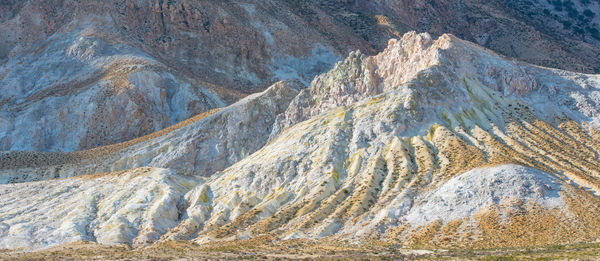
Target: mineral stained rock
[76, 75]
[431, 143]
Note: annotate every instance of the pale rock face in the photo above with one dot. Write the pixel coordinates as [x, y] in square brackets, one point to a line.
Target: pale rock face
[521, 29]
[348, 163]
[464, 195]
[370, 149]
[65, 65]
[236, 45]
[336, 174]
[133, 207]
[442, 65]
[199, 148]
[82, 92]
[74, 72]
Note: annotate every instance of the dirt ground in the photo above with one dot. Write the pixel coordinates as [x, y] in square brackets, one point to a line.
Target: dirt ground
[295, 250]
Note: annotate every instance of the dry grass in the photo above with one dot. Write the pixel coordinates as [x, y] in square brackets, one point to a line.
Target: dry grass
[30, 159]
[526, 142]
[265, 249]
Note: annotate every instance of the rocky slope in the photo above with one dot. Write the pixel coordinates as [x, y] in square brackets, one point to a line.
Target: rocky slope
[78, 92]
[199, 146]
[78, 75]
[432, 143]
[558, 34]
[100, 209]
[73, 72]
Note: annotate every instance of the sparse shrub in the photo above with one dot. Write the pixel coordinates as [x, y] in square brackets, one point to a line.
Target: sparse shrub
[546, 12]
[594, 32]
[557, 5]
[589, 13]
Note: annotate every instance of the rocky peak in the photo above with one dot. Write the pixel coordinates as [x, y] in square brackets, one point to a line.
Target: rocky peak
[433, 135]
[432, 73]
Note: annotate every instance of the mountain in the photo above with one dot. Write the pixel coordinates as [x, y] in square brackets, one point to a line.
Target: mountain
[557, 34]
[199, 146]
[432, 143]
[82, 74]
[77, 75]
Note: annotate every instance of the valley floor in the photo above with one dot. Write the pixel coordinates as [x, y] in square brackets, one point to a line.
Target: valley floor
[259, 249]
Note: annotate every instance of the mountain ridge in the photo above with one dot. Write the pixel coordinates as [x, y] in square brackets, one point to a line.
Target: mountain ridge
[89, 64]
[366, 153]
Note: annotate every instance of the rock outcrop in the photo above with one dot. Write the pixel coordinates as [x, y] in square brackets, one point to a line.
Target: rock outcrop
[547, 33]
[72, 72]
[80, 92]
[445, 64]
[436, 143]
[77, 75]
[199, 146]
[134, 206]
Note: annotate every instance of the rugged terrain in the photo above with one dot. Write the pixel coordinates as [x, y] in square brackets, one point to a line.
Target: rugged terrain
[77, 75]
[193, 147]
[432, 143]
[105, 72]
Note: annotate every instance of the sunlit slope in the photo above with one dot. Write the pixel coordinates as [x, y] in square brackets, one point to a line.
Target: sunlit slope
[198, 146]
[351, 173]
[432, 143]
